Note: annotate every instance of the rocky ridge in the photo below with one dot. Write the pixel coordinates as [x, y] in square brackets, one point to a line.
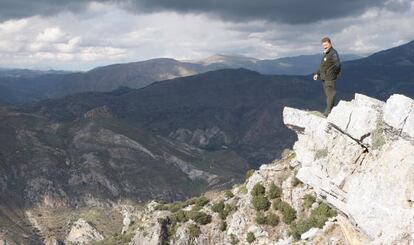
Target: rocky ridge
[348, 180]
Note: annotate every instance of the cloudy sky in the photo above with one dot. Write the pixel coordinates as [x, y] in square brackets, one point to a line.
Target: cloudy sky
[81, 34]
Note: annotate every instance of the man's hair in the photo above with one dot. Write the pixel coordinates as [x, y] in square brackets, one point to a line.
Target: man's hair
[326, 39]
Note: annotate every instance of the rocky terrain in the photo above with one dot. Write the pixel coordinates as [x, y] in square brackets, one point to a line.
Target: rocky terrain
[169, 141]
[347, 180]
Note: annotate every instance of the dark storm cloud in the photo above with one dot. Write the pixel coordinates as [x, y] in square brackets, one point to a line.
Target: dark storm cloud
[284, 11]
[16, 9]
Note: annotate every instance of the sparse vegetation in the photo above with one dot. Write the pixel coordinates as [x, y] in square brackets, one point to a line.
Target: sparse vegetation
[378, 138]
[162, 207]
[288, 154]
[260, 202]
[317, 218]
[274, 191]
[194, 230]
[199, 217]
[176, 206]
[288, 213]
[250, 237]
[223, 209]
[198, 202]
[218, 206]
[233, 239]
[223, 225]
[249, 173]
[260, 218]
[258, 189]
[308, 200]
[321, 153]
[229, 194]
[180, 216]
[243, 189]
[269, 219]
[201, 201]
[272, 219]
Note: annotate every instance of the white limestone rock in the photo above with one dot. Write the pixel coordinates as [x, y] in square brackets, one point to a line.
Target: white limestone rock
[83, 233]
[358, 118]
[310, 234]
[397, 109]
[374, 189]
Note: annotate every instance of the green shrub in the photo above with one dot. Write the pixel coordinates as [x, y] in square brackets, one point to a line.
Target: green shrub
[260, 202]
[272, 219]
[233, 239]
[308, 200]
[258, 189]
[191, 201]
[323, 212]
[180, 216]
[274, 191]
[162, 207]
[199, 217]
[296, 229]
[218, 206]
[176, 206]
[269, 219]
[260, 218]
[229, 194]
[202, 201]
[196, 208]
[249, 173]
[317, 218]
[194, 230]
[250, 237]
[223, 225]
[223, 209]
[288, 213]
[227, 210]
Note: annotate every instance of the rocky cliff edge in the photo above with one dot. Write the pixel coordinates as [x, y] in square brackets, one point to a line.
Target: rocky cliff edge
[348, 180]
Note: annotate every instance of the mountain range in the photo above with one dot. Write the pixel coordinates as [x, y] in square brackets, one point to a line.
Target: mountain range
[26, 85]
[166, 140]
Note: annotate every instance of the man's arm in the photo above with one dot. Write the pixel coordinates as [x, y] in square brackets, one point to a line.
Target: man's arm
[337, 61]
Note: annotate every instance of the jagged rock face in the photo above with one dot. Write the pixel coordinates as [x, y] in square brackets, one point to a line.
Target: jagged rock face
[242, 220]
[361, 160]
[83, 233]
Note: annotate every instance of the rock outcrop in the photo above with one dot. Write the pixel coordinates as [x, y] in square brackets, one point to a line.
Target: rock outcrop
[83, 233]
[358, 161]
[361, 161]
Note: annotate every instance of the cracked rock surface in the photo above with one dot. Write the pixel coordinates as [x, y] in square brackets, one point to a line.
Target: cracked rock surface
[361, 160]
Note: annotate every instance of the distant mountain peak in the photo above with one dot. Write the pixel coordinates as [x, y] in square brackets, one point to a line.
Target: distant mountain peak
[225, 58]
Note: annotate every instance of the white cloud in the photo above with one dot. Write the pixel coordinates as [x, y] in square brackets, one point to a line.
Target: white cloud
[104, 34]
[50, 34]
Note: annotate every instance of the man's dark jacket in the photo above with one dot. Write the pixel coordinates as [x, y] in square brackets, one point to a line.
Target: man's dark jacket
[330, 65]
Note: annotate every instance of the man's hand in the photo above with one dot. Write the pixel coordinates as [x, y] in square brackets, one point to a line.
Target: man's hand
[315, 77]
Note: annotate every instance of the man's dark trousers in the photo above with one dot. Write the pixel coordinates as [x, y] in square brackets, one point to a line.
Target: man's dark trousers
[330, 92]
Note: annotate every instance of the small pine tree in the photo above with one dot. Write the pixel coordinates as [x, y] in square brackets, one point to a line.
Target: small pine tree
[250, 237]
[258, 189]
[274, 191]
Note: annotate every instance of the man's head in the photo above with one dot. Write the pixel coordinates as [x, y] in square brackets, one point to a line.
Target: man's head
[326, 43]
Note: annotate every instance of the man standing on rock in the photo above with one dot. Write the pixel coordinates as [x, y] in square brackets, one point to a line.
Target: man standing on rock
[328, 72]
